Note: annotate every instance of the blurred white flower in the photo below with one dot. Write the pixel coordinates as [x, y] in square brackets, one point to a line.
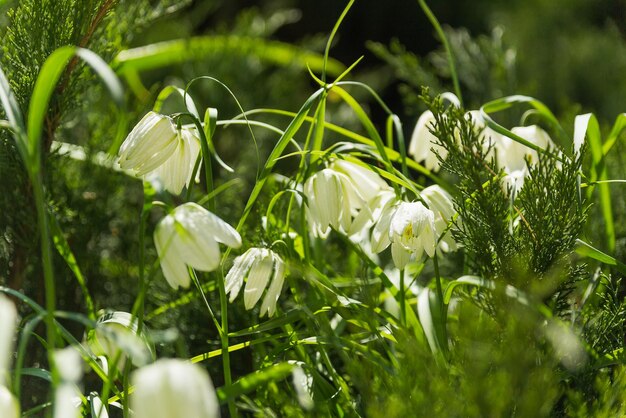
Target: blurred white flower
[8, 322]
[190, 236]
[66, 397]
[409, 228]
[337, 194]
[156, 147]
[440, 203]
[424, 146]
[115, 335]
[257, 264]
[173, 388]
[9, 407]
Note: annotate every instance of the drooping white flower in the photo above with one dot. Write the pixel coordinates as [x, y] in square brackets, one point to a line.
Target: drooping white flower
[515, 153]
[8, 322]
[410, 229]
[424, 146]
[173, 388]
[115, 337]
[156, 147]
[257, 265]
[337, 194]
[189, 236]
[9, 407]
[440, 202]
[328, 202]
[367, 183]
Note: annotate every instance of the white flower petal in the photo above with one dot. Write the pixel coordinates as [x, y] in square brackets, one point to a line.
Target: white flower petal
[258, 278]
[273, 292]
[424, 144]
[239, 270]
[400, 255]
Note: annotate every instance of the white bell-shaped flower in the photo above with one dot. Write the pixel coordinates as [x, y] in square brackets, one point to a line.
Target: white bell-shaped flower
[412, 231]
[9, 406]
[367, 183]
[173, 388]
[409, 228]
[257, 265]
[156, 147]
[517, 153]
[329, 198]
[340, 193]
[189, 236]
[440, 203]
[424, 146]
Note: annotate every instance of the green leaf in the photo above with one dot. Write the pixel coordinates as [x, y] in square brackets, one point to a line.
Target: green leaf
[618, 127]
[45, 85]
[252, 381]
[587, 126]
[280, 146]
[288, 318]
[66, 253]
[590, 251]
[163, 54]
[510, 101]
[37, 372]
[167, 91]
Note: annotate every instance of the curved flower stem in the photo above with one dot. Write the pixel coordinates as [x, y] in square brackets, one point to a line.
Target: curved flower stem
[433, 20]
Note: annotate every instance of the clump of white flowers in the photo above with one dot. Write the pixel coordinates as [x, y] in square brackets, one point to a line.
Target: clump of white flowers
[338, 194]
[173, 388]
[257, 265]
[511, 154]
[189, 236]
[157, 147]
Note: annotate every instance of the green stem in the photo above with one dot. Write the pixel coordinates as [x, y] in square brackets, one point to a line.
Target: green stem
[439, 289]
[228, 380]
[433, 20]
[402, 299]
[48, 272]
